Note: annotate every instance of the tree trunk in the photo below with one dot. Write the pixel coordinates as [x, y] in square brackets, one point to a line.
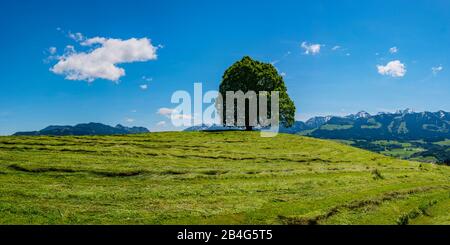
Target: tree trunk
[248, 128]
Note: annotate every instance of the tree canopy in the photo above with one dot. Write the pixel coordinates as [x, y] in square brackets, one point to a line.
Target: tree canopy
[251, 75]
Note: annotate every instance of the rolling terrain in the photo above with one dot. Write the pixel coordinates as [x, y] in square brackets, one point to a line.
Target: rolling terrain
[405, 134]
[213, 178]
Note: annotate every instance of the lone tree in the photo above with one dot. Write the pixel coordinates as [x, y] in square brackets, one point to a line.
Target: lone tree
[251, 75]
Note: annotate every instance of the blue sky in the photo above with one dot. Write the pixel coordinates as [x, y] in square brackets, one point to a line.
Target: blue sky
[356, 55]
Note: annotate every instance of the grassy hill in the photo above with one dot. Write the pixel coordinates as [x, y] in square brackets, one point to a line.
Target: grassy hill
[213, 178]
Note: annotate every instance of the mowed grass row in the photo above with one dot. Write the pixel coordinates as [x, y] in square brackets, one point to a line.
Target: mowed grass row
[213, 178]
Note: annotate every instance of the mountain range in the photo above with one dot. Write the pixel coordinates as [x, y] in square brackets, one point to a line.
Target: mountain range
[86, 129]
[401, 125]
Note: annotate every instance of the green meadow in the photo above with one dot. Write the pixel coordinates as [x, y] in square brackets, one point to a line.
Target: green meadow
[444, 143]
[213, 178]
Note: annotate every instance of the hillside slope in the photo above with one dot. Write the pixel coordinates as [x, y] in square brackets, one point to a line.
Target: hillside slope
[207, 178]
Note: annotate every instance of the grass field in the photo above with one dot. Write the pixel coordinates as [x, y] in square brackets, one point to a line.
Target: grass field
[414, 150]
[213, 178]
[405, 152]
[445, 142]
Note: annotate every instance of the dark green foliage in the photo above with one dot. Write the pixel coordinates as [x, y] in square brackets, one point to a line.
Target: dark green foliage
[417, 150]
[369, 146]
[403, 219]
[377, 174]
[447, 161]
[251, 75]
[441, 153]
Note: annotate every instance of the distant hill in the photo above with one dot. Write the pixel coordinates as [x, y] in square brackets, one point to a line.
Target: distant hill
[206, 127]
[86, 129]
[401, 125]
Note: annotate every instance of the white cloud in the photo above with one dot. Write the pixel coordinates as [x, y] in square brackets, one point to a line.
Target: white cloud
[78, 37]
[393, 50]
[94, 40]
[394, 68]
[69, 50]
[52, 56]
[437, 69]
[52, 50]
[161, 123]
[165, 111]
[181, 116]
[173, 114]
[336, 47]
[143, 86]
[147, 79]
[129, 120]
[283, 74]
[101, 62]
[312, 49]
